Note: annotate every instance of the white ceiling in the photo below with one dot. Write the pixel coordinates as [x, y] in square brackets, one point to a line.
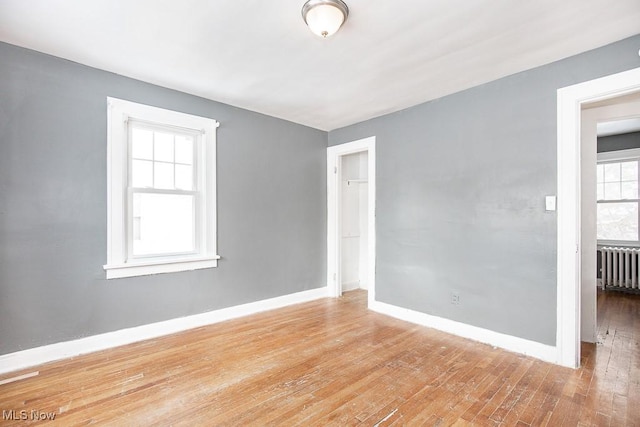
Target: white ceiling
[259, 55]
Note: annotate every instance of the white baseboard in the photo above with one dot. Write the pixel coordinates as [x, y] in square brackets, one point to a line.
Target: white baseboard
[540, 351]
[48, 353]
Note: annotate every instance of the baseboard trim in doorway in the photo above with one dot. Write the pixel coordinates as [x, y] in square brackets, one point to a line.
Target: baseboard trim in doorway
[62, 350]
[540, 351]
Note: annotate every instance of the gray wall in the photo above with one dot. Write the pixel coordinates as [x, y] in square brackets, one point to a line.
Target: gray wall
[460, 197]
[623, 141]
[271, 207]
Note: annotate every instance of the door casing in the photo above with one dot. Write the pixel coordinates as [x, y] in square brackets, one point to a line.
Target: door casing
[570, 102]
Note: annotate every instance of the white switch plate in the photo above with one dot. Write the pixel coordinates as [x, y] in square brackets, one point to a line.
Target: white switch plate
[550, 203]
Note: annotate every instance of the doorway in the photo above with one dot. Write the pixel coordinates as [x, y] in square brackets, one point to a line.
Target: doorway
[571, 100]
[618, 115]
[351, 217]
[354, 185]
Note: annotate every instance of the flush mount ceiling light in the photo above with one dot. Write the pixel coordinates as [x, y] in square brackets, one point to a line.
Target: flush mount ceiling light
[324, 17]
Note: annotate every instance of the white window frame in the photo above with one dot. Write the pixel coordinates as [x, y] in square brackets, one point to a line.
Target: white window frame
[119, 193]
[620, 156]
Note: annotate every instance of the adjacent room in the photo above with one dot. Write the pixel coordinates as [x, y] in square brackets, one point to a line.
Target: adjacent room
[321, 212]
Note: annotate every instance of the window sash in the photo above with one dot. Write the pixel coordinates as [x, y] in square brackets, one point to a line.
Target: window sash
[621, 200]
[196, 231]
[197, 152]
[195, 185]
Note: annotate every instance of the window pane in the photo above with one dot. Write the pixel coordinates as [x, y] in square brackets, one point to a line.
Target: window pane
[163, 147]
[630, 190]
[611, 172]
[165, 224]
[184, 177]
[629, 171]
[612, 191]
[184, 149]
[600, 173]
[163, 175]
[618, 221]
[141, 173]
[142, 144]
[600, 191]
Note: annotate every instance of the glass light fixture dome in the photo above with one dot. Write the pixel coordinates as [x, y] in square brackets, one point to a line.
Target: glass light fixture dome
[324, 17]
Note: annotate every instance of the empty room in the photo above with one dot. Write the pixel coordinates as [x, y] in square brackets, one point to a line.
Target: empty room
[322, 212]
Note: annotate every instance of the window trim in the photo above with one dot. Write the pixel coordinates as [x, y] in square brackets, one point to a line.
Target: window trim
[119, 192]
[620, 156]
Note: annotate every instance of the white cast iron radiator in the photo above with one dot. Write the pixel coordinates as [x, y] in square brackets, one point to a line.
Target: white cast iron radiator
[620, 268]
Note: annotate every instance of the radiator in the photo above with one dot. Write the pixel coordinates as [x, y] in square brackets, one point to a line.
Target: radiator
[620, 268]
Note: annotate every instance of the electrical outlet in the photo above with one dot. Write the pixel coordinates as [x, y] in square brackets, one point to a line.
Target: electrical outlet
[455, 298]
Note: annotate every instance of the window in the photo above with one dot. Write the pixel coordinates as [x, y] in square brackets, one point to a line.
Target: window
[161, 191]
[617, 194]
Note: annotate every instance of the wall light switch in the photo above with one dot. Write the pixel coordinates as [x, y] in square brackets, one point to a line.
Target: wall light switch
[550, 203]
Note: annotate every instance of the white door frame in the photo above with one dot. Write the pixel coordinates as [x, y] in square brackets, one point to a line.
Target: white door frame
[334, 201]
[570, 101]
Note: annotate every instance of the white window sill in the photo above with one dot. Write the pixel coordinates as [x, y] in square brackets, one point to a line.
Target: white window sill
[117, 271]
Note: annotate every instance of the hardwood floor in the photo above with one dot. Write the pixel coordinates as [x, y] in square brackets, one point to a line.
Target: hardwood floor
[332, 362]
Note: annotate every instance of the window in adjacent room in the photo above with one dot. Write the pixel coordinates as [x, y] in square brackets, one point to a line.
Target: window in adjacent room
[161, 196]
[618, 215]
